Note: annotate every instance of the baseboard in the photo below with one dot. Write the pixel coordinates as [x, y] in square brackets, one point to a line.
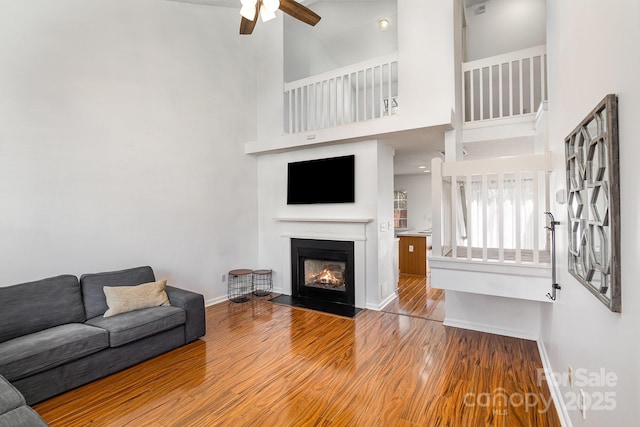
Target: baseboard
[554, 388]
[383, 304]
[214, 301]
[463, 324]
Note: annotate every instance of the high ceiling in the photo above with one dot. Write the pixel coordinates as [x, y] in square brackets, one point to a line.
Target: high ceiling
[347, 34]
[413, 148]
[347, 29]
[230, 3]
[220, 3]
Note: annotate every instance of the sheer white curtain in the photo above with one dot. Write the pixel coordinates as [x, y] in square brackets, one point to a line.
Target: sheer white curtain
[497, 210]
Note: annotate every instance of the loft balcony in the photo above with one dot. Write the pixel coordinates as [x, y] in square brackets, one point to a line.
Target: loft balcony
[501, 95]
[360, 92]
[309, 93]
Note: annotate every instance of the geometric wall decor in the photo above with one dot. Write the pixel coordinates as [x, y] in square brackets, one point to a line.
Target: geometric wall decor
[593, 203]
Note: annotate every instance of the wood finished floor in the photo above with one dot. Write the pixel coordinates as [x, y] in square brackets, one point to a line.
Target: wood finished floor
[263, 364]
[417, 298]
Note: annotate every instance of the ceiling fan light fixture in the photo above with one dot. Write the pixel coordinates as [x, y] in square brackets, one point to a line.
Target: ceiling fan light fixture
[248, 11]
[271, 5]
[267, 9]
[266, 14]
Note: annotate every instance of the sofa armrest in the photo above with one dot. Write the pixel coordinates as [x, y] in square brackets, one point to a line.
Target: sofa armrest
[193, 304]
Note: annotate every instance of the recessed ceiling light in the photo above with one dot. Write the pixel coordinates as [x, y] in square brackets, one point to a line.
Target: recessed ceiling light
[383, 24]
[422, 167]
[426, 171]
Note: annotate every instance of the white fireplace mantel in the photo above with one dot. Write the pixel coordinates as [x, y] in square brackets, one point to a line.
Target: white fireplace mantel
[346, 229]
[346, 220]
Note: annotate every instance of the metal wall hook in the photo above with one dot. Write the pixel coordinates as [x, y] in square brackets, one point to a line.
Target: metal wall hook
[552, 227]
[555, 287]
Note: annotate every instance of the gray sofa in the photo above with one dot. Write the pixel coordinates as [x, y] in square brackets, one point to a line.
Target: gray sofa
[14, 411]
[53, 336]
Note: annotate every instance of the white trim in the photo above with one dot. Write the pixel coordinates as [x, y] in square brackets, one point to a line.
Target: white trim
[523, 269]
[515, 285]
[342, 71]
[464, 324]
[499, 129]
[542, 109]
[528, 119]
[531, 163]
[388, 300]
[505, 58]
[320, 236]
[552, 385]
[215, 300]
[348, 220]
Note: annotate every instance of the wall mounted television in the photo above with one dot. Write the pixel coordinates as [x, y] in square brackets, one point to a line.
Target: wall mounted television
[330, 180]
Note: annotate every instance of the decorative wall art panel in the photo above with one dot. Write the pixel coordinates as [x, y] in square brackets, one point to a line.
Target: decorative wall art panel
[593, 203]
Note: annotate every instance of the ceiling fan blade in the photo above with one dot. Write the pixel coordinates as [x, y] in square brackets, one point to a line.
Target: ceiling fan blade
[300, 12]
[247, 26]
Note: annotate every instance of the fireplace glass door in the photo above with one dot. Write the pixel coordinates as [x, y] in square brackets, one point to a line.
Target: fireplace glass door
[323, 269]
[325, 274]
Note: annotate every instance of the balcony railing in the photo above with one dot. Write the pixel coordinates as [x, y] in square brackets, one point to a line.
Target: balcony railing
[359, 92]
[509, 85]
[491, 210]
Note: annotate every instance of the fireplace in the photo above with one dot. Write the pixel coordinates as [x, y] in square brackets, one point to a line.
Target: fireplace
[323, 270]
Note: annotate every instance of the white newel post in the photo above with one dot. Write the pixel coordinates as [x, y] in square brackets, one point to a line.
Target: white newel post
[436, 206]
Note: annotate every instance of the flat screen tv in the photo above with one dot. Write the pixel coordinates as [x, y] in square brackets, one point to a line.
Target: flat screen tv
[330, 180]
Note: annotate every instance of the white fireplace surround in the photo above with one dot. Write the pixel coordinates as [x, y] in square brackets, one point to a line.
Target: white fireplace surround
[342, 229]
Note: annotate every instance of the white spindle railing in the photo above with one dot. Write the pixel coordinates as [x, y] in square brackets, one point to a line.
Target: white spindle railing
[489, 209]
[363, 91]
[513, 84]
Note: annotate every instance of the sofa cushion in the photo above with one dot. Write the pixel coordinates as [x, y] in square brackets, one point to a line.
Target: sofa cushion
[127, 327]
[35, 306]
[122, 299]
[10, 398]
[33, 353]
[23, 416]
[95, 302]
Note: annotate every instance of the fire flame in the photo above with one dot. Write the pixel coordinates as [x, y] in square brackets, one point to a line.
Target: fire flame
[327, 277]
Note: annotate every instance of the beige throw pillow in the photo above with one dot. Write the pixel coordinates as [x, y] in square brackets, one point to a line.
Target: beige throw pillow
[122, 299]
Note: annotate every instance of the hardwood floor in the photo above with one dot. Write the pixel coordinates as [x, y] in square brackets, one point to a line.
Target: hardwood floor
[417, 298]
[263, 364]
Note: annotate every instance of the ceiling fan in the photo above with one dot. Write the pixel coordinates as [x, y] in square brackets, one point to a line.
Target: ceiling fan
[267, 11]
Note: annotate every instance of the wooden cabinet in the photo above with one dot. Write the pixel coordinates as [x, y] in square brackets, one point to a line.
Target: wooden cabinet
[413, 255]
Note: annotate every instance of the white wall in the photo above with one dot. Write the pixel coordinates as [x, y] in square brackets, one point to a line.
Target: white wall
[387, 249]
[592, 51]
[418, 188]
[493, 314]
[506, 26]
[304, 55]
[426, 59]
[269, 77]
[272, 178]
[121, 130]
